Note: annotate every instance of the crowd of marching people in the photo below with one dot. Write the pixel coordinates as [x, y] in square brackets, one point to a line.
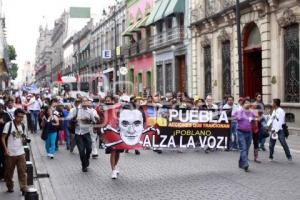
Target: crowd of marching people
[74, 122]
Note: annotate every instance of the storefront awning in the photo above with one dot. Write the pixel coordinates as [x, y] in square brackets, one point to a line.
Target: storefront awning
[153, 13]
[160, 13]
[135, 25]
[140, 24]
[127, 32]
[175, 6]
[85, 47]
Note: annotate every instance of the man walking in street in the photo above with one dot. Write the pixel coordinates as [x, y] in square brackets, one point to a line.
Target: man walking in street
[232, 108]
[34, 106]
[12, 141]
[277, 120]
[85, 118]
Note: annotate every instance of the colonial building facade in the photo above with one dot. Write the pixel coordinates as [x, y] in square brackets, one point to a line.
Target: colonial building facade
[107, 50]
[43, 57]
[138, 53]
[270, 50]
[167, 20]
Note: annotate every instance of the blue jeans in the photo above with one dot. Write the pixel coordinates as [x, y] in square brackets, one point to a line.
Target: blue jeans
[283, 143]
[245, 139]
[233, 140]
[34, 114]
[50, 143]
[67, 136]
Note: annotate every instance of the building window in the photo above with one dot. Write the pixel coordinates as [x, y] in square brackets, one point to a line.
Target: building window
[169, 77]
[131, 79]
[140, 83]
[291, 63]
[149, 80]
[226, 69]
[159, 79]
[207, 70]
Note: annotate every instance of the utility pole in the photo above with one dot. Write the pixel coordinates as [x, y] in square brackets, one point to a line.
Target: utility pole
[116, 88]
[239, 40]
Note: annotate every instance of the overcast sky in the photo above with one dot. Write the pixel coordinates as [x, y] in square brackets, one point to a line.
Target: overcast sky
[23, 18]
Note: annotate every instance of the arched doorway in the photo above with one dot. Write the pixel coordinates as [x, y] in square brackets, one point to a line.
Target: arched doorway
[252, 60]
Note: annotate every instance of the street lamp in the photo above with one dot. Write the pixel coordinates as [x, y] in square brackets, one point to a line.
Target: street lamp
[239, 40]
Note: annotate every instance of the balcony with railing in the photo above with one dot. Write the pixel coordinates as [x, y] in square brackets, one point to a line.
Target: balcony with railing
[167, 38]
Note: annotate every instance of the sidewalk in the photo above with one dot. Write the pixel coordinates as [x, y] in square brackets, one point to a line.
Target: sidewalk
[44, 184]
[10, 196]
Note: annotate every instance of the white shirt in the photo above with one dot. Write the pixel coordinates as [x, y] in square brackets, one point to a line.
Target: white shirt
[212, 106]
[277, 119]
[14, 142]
[95, 116]
[82, 128]
[23, 99]
[11, 111]
[35, 104]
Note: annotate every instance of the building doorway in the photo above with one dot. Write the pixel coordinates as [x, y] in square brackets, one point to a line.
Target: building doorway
[252, 61]
[181, 75]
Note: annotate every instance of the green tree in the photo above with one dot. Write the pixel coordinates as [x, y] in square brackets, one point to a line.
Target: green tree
[13, 71]
[12, 55]
[11, 52]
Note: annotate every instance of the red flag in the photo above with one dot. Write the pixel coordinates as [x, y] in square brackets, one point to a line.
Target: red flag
[77, 78]
[59, 77]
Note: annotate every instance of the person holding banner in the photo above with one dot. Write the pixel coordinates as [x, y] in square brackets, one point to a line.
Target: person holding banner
[109, 113]
[232, 108]
[245, 119]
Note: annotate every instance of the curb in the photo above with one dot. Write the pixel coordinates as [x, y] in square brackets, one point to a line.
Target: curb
[42, 176]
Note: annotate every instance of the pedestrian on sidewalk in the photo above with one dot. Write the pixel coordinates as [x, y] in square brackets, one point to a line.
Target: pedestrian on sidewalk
[85, 119]
[50, 127]
[244, 118]
[4, 118]
[12, 140]
[277, 121]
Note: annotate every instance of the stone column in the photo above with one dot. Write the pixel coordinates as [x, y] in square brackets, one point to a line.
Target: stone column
[266, 58]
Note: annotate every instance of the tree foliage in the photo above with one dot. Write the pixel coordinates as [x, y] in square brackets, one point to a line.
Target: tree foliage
[12, 55]
[11, 52]
[13, 71]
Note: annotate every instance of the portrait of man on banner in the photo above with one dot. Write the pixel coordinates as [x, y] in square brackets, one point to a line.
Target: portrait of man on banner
[129, 130]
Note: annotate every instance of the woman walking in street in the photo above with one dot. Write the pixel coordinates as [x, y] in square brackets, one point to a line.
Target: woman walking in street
[244, 118]
[51, 124]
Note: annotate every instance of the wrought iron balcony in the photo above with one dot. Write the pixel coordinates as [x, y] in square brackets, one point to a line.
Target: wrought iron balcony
[167, 38]
[134, 49]
[143, 45]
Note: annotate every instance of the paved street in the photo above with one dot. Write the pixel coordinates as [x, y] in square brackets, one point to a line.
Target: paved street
[172, 175]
